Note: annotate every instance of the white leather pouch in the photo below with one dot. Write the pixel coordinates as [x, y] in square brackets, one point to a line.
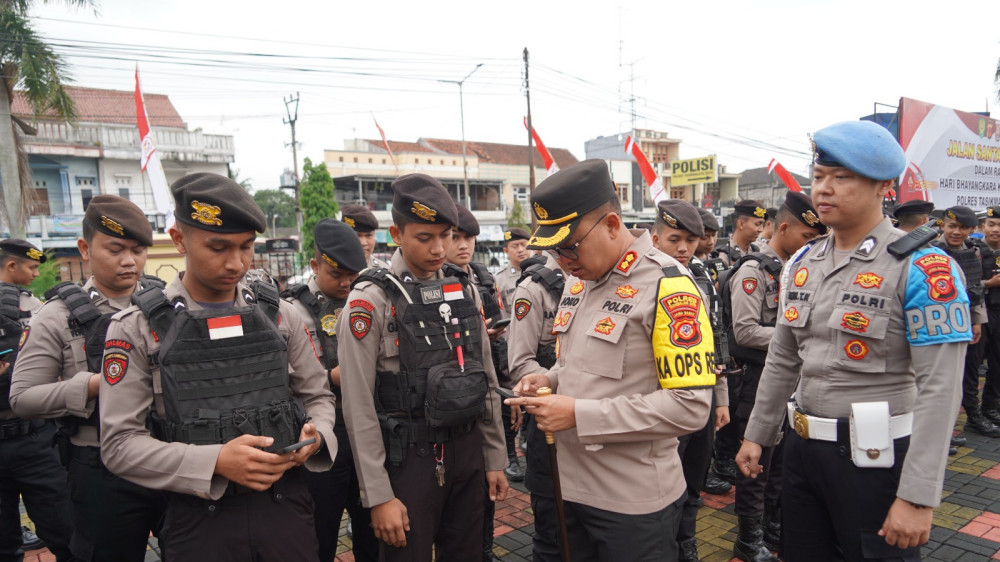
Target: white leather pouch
[871, 435]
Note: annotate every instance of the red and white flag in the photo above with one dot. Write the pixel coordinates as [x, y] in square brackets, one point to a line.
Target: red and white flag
[453, 292]
[150, 160]
[656, 191]
[550, 164]
[784, 175]
[385, 143]
[225, 327]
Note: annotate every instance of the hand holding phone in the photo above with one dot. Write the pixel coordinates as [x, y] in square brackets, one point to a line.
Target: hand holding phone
[296, 446]
[505, 393]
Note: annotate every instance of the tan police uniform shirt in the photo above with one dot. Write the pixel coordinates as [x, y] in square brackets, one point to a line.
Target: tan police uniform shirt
[28, 303]
[754, 302]
[361, 356]
[378, 263]
[532, 311]
[506, 283]
[306, 314]
[131, 452]
[622, 454]
[842, 337]
[48, 383]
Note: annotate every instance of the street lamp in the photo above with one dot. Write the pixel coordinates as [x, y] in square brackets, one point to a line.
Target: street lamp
[461, 108]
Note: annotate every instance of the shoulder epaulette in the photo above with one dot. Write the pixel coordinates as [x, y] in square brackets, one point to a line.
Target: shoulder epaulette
[268, 298]
[156, 308]
[77, 300]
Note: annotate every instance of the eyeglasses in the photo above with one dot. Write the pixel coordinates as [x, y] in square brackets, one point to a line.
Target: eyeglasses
[569, 252]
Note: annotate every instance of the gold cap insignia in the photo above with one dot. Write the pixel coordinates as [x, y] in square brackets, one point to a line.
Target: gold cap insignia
[671, 221]
[989, 212]
[506, 235]
[760, 212]
[112, 225]
[810, 218]
[206, 214]
[349, 221]
[330, 260]
[540, 212]
[424, 212]
[33, 254]
[951, 215]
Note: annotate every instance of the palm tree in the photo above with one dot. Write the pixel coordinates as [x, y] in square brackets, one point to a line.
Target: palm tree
[28, 63]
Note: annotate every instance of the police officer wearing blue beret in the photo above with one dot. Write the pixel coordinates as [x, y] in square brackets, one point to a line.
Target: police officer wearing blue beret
[870, 334]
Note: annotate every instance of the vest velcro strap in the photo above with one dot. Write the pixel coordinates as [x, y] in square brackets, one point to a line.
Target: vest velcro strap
[182, 374]
[230, 390]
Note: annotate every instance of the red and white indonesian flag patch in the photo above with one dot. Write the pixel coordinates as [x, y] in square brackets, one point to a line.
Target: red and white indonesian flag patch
[225, 327]
[453, 292]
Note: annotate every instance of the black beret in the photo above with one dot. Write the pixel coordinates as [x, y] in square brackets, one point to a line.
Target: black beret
[564, 197]
[120, 218]
[467, 222]
[771, 213]
[680, 215]
[913, 207]
[992, 212]
[359, 218]
[863, 147]
[216, 203]
[708, 220]
[515, 233]
[964, 215]
[338, 245]
[421, 198]
[749, 208]
[22, 249]
[800, 205]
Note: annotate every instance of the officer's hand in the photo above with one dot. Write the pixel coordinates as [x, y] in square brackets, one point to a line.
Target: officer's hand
[302, 455]
[335, 376]
[391, 522]
[529, 384]
[495, 333]
[4, 366]
[721, 417]
[748, 459]
[242, 461]
[516, 418]
[905, 525]
[93, 386]
[977, 332]
[498, 487]
[552, 413]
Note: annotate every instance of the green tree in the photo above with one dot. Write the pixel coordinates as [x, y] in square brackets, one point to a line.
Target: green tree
[26, 62]
[48, 276]
[316, 200]
[276, 203]
[516, 218]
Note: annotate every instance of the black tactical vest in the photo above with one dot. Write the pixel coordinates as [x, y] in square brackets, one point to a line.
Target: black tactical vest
[969, 259]
[770, 264]
[324, 315]
[432, 398]
[553, 282]
[11, 328]
[215, 390]
[487, 288]
[705, 282]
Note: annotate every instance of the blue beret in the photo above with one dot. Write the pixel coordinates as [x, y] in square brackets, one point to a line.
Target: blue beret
[862, 147]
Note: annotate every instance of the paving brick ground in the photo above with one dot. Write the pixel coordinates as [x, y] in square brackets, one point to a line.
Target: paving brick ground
[966, 525]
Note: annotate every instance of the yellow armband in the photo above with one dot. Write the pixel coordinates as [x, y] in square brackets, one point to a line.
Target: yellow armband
[683, 343]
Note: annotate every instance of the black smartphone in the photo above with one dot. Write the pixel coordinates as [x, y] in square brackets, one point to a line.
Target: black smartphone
[5, 353]
[499, 324]
[296, 446]
[506, 393]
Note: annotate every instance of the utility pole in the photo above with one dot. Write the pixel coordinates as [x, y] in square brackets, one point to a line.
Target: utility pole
[461, 109]
[531, 147]
[293, 116]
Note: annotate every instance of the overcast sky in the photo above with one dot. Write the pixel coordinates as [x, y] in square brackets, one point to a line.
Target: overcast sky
[744, 79]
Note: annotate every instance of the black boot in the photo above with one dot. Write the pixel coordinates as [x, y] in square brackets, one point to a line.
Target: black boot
[991, 413]
[749, 545]
[772, 527]
[715, 485]
[514, 471]
[688, 549]
[726, 469]
[977, 423]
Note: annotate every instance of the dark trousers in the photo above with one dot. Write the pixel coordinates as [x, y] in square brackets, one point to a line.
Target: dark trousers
[538, 480]
[29, 468]
[727, 439]
[970, 379]
[443, 519]
[276, 524]
[695, 451]
[100, 498]
[335, 490]
[753, 493]
[490, 507]
[605, 536]
[833, 510]
[991, 333]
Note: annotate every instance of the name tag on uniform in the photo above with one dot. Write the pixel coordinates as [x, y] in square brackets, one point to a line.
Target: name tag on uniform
[225, 327]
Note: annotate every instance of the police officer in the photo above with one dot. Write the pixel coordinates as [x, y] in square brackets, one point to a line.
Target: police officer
[748, 223]
[991, 390]
[632, 374]
[204, 384]
[30, 467]
[463, 248]
[337, 259]
[516, 248]
[752, 297]
[678, 232]
[959, 222]
[769, 225]
[64, 384]
[871, 364]
[417, 339]
[364, 224]
[911, 214]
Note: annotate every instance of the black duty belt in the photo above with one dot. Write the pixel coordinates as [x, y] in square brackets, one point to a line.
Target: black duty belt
[14, 428]
[90, 456]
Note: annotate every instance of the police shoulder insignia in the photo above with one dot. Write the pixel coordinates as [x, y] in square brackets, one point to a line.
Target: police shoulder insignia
[361, 322]
[206, 214]
[578, 286]
[856, 349]
[24, 337]
[626, 262]
[868, 280]
[867, 245]
[801, 276]
[328, 324]
[683, 343]
[521, 308]
[423, 211]
[362, 303]
[561, 319]
[626, 291]
[749, 285]
[605, 326]
[115, 360]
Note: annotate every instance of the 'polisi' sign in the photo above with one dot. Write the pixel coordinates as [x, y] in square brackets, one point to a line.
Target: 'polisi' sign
[695, 170]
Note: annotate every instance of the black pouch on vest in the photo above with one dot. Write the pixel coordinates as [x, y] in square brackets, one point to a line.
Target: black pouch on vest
[453, 396]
